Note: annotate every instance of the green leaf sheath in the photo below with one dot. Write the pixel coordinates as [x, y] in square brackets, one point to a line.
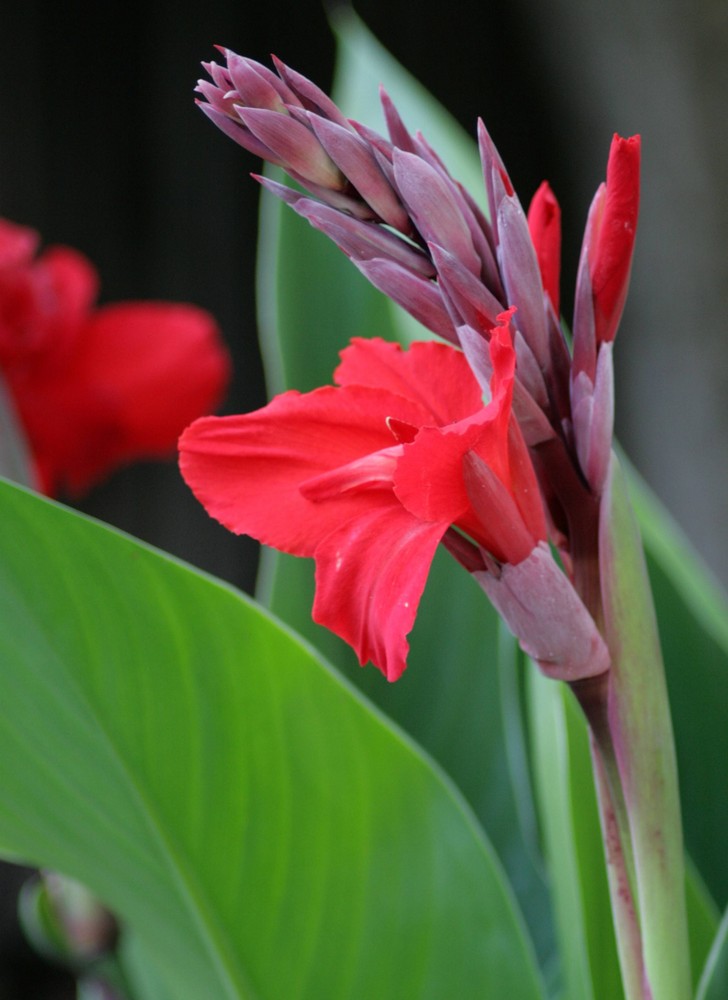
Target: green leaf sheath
[573, 842]
[642, 737]
[263, 831]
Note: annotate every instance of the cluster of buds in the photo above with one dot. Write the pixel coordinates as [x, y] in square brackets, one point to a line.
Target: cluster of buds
[392, 206]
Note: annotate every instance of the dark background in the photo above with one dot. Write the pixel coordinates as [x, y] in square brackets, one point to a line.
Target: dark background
[102, 148]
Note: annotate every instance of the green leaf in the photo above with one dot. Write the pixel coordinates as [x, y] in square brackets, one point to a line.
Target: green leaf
[714, 981]
[703, 919]
[262, 830]
[641, 744]
[692, 613]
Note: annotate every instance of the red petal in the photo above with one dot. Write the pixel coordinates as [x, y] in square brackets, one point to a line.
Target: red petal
[499, 525]
[436, 376]
[524, 484]
[138, 375]
[429, 478]
[248, 470]
[544, 223]
[17, 244]
[163, 363]
[370, 574]
[75, 283]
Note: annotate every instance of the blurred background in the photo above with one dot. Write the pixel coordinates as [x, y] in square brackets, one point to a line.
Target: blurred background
[102, 148]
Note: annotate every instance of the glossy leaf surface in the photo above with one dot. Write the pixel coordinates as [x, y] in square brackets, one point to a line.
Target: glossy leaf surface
[261, 829]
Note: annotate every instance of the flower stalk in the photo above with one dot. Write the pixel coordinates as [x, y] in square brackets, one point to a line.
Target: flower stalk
[644, 748]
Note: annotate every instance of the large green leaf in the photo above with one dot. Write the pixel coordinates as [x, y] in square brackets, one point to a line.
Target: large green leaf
[311, 301]
[692, 613]
[263, 831]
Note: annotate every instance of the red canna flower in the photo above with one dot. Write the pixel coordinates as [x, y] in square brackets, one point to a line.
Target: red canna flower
[368, 477]
[96, 388]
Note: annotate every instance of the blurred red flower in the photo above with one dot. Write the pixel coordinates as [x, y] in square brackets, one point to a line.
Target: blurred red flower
[95, 388]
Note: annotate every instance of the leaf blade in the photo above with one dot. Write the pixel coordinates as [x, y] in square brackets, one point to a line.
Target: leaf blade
[195, 765]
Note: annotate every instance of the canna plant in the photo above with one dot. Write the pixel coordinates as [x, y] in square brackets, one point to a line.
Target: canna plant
[256, 826]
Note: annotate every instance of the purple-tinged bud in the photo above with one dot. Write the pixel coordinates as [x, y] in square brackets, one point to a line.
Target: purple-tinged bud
[558, 382]
[593, 418]
[480, 231]
[217, 98]
[584, 331]
[418, 296]
[294, 145]
[252, 86]
[529, 371]
[358, 164]
[434, 208]
[522, 277]
[235, 130]
[234, 69]
[547, 616]
[358, 239]
[398, 132]
[485, 245]
[533, 422]
[497, 182]
[311, 97]
[382, 148]
[220, 76]
[473, 302]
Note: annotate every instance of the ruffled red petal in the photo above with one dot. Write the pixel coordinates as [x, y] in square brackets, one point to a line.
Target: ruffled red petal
[370, 574]
[248, 471]
[437, 376]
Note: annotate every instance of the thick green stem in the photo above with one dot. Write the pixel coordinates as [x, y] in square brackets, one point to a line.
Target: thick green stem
[642, 745]
[592, 696]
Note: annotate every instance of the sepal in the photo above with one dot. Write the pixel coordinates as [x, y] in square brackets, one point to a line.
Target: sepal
[541, 608]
